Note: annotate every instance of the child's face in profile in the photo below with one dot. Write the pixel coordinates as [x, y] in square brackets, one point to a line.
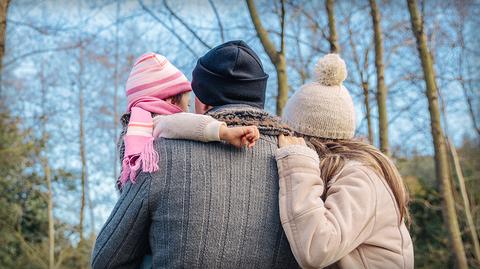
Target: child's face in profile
[184, 103]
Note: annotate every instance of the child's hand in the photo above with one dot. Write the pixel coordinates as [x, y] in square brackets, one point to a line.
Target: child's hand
[284, 141]
[240, 136]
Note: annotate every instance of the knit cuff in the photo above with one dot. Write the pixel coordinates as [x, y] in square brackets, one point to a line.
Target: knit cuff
[297, 150]
[212, 130]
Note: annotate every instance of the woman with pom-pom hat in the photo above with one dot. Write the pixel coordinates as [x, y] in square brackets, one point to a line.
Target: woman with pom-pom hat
[342, 202]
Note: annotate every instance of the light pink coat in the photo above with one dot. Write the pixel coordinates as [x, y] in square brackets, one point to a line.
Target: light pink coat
[357, 226]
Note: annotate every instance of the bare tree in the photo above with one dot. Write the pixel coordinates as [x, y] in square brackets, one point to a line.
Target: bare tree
[115, 95]
[277, 57]
[3, 27]
[461, 182]
[442, 167]
[170, 29]
[81, 138]
[47, 174]
[219, 21]
[466, 86]
[465, 199]
[362, 70]
[187, 27]
[333, 39]
[381, 87]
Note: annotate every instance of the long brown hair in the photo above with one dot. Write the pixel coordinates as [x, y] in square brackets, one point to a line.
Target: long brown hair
[334, 153]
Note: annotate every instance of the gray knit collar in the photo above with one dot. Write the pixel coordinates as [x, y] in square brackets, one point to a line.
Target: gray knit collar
[244, 115]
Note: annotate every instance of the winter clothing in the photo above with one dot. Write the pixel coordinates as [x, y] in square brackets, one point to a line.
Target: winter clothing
[241, 115]
[152, 79]
[358, 225]
[323, 108]
[231, 73]
[138, 145]
[187, 126]
[210, 205]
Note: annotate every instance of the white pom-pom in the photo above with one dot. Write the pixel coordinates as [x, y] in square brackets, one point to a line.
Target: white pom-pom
[331, 70]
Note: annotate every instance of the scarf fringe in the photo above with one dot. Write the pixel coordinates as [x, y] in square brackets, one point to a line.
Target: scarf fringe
[149, 157]
[125, 171]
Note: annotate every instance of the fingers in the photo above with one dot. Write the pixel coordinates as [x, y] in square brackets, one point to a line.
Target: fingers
[242, 136]
[252, 136]
[284, 141]
[281, 140]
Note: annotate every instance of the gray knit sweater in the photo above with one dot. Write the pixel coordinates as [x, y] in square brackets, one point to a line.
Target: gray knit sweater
[209, 205]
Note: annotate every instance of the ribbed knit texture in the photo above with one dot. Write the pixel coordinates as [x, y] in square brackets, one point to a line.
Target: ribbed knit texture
[323, 108]
[209, 206]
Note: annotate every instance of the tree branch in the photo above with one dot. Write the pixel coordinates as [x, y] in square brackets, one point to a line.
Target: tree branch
[282, 27]
[146, 9]
[186, 25]
[262, 33]
[219, 21]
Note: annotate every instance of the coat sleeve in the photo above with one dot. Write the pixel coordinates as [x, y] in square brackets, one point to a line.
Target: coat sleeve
[187, 126]
[123, 240]
[322, 232]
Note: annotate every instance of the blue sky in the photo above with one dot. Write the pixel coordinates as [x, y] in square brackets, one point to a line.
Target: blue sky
[35, 26]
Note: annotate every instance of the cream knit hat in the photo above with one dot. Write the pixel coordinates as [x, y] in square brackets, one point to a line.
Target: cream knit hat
[323, 108]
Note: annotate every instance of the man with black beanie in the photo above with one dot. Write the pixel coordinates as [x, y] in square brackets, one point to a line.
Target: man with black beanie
[231, 73]
[211, 205]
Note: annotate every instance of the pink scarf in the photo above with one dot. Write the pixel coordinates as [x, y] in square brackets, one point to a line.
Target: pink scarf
[152, 79]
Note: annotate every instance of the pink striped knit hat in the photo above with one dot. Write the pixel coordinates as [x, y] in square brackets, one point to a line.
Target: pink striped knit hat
[152, 79]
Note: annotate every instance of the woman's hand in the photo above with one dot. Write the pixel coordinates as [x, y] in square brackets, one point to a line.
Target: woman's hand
[284, 141]
[240, 136]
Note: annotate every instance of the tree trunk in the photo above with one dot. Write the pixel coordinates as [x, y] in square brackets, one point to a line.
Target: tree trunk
[442, 168]
[363, 74]
[47, 176]
[367, 111]
[282, 83]
[461, 180]
[277, 58]
[333, 39]
[381, 87]
[3, 28]
[81, 136]
[51, 220]
[466, 201]
[115, 99]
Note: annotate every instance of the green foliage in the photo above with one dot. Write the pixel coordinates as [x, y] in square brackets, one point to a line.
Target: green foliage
[429, 234]
[469, 154]
[23, 206]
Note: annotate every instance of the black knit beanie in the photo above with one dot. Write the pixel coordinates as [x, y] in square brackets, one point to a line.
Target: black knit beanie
[231, 73]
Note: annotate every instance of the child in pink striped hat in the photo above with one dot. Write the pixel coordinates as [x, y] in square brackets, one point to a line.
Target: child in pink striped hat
[157, 95]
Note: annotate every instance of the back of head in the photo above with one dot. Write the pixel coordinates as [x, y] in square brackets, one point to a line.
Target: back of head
[323, 113]
[231, 73]
[323, 108]
[154, 78]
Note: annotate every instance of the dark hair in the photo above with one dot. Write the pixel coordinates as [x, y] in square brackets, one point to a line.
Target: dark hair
[176, 99]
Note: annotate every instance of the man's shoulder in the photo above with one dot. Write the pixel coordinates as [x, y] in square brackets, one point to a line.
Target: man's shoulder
[179, 145]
